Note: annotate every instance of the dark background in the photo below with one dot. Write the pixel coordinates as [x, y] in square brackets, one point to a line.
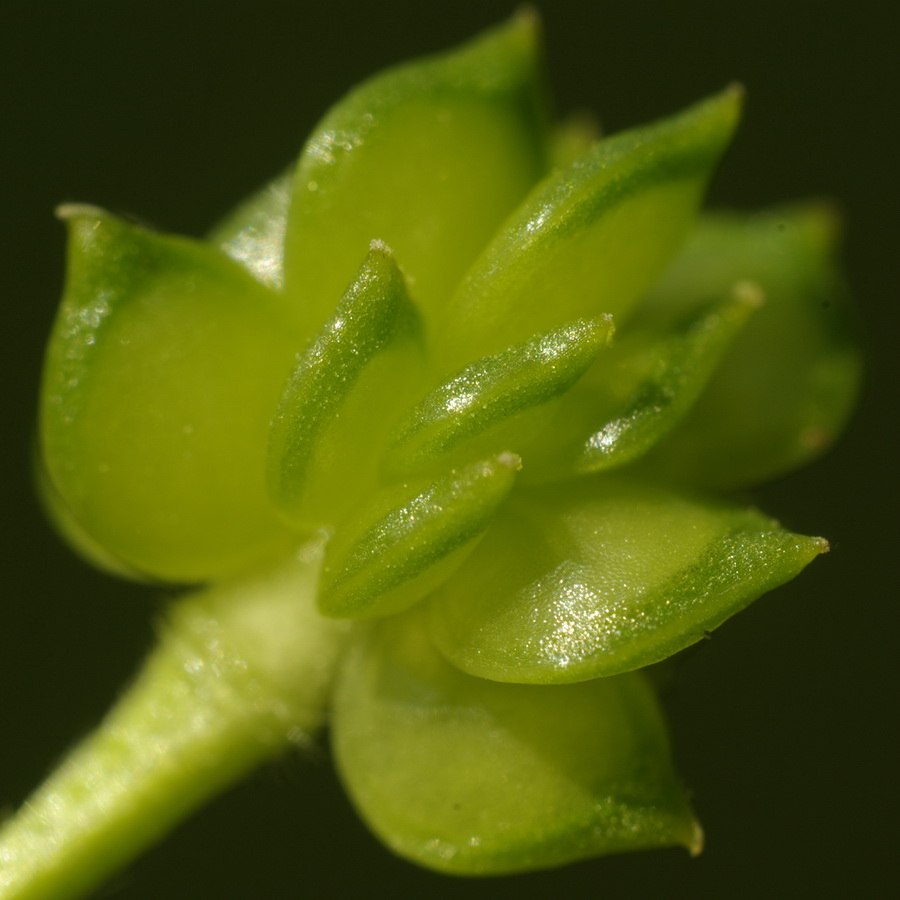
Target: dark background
[784, 723]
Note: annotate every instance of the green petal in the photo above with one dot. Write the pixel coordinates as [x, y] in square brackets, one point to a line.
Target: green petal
[786, 389]
[593, 237]
[411, 538]
[472, 777]
[639, 391]
[603, 576]
[486, 406]
[161, 377]
[429, 157]
[335, 409]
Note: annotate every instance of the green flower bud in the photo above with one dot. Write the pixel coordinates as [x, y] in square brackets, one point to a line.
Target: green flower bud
[385, 389]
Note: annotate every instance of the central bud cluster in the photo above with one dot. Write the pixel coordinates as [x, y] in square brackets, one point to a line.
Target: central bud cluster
[406, 347]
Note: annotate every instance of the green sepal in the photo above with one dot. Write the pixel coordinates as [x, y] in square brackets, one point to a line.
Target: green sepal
[471, 777]
[602, 576]
[430, 157]
[787, 387]
[74, 533]
[253, 233]
[593, 237]
[335, 409]
[489, 404]
[395, 551]
[162, 373]
[640, 390]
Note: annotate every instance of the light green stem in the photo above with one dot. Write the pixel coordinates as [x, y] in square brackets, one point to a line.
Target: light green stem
[241, 672]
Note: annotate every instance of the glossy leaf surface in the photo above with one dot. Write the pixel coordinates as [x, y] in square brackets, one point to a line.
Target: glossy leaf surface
[787, 388]
[429, 157]
[162, 375]
[592, 237]
[472, 777]
[603, 576]
[390, 555]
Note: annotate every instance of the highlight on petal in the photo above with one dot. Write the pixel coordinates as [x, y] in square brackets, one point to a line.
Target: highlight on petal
[326, 435]
[429, 157]
[602, 576]
[593, 237]
[472, 777]
[161, 376]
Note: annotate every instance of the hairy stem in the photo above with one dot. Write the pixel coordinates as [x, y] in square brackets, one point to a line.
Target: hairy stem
[240, 673]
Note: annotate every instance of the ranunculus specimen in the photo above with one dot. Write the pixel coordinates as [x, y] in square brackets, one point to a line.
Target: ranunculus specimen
[379, 424]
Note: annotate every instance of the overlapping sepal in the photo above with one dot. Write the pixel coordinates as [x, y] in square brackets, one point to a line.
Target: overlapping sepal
[786, 389]
[518, 777]
[398, 547]
[591, 238]
[429, 157]
[346, 389]
[640, 390]
[497, 401]
[603, 576]
[161, 377]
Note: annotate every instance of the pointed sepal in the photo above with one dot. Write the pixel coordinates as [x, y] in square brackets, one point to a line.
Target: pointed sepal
[326, 435]
[641, 389]
[592, 237]
[411, 538]
[490, 404]
[604, 576]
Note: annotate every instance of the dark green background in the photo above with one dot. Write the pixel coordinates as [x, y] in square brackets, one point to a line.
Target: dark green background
[784, 723]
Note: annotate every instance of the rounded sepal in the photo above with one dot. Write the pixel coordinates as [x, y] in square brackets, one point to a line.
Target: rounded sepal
[471, 777]
[162, 374]
[252, 234]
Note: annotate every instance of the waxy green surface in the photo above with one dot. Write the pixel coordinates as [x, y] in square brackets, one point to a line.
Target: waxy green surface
[600, 576]
[489, 404]
[640, 389]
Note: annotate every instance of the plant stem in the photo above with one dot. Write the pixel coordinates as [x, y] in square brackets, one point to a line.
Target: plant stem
[240, 673]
